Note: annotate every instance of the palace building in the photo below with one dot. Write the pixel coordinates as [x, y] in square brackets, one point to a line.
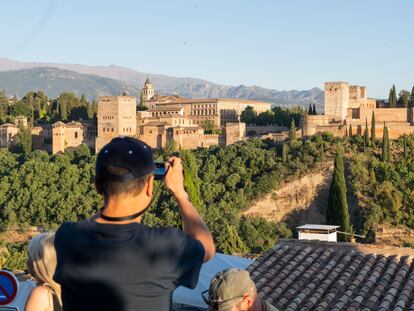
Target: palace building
[168, 118]
[217, 110]
[348, 106]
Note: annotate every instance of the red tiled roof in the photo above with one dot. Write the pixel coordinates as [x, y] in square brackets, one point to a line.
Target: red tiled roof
[313, 275]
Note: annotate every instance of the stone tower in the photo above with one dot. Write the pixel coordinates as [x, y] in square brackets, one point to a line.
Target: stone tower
[58, 137]
[116, 116]
[336, 100]
[148, 91]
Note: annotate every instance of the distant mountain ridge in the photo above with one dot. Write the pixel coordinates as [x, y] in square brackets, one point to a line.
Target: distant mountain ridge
[96, 80]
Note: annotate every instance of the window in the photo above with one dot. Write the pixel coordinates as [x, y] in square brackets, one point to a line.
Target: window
[112, 129]
[76, 134]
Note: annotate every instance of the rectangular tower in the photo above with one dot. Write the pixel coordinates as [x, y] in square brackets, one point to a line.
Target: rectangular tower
[336, 100]
[116, 116]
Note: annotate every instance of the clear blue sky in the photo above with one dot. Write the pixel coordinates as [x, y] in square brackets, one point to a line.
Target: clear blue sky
[276, 44]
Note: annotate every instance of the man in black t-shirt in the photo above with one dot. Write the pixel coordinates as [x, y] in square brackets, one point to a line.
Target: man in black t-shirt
[114, 262]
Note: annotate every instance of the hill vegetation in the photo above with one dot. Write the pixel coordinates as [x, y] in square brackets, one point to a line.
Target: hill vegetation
[37, 189]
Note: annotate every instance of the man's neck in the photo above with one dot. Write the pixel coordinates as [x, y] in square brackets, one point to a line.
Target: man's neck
[123, 206]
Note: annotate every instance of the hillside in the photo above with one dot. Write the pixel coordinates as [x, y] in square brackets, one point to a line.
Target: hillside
[54, 81]
[187, 87]
[298, 200]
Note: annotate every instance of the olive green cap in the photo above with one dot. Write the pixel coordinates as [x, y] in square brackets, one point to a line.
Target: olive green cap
[228, 286]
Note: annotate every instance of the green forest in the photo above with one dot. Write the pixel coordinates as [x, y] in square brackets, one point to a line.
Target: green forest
[38, 189]
[40, 109]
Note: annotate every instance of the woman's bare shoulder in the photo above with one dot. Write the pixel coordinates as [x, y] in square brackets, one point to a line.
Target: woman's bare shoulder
[39, 299]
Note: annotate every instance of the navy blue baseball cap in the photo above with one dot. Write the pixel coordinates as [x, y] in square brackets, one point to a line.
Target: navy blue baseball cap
[126, 152]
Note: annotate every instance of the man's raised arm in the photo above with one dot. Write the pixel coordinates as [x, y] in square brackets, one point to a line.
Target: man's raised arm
[193, 224]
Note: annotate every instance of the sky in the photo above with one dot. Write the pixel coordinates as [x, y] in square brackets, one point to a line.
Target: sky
[275, 44]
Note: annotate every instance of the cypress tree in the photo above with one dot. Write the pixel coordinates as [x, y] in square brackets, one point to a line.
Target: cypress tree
[314, 108]
[385, 145]
[292, 131]
[394, 96]
[388, 147]
[337, 212]
[412, 98]
[350, 131]
[322, 151]
[310, 109]
[390, 99]
[373, 128]
[284, 153]
[366, 135]
[405, 148]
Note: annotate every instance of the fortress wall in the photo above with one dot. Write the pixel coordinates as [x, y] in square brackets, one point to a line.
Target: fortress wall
[264, 129]
[387, 114]
[336, 130]
[309, 124]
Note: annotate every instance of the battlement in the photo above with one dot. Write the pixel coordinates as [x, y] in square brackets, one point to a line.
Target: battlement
[107, 98]
[336, 83]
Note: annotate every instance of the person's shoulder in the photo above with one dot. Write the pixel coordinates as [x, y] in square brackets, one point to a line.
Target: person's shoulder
[270, 307]
[69, 230]
[39, 299]
[70, 226]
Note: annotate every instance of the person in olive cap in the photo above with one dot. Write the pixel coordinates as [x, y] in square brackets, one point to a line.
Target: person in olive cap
[234, 290]
[112, 261]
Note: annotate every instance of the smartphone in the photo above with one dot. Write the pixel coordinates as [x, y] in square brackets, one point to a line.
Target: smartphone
[159, 170]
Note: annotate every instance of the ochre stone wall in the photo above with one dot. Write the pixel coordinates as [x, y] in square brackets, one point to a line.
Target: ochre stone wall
[260, 130]
[116, 116]
[336, 100]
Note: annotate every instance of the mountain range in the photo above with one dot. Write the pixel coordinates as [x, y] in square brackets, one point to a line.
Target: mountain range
[53, 78]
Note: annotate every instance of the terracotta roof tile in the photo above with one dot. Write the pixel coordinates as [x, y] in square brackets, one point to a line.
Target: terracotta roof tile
[309, 275]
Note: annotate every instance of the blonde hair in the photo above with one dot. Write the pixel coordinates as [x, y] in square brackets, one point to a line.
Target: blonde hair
[42, 261]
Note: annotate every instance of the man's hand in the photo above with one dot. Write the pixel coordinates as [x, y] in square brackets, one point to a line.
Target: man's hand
[174, 178]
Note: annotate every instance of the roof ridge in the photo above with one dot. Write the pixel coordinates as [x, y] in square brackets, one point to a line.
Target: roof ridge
[374, 249]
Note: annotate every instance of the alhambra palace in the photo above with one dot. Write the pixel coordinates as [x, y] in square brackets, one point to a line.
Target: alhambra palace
[174, 118]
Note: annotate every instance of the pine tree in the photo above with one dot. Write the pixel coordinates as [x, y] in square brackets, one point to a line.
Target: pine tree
[373, 128]
[310, 112]
[385, 145]
[337, 212]
[350, 131]
[314, 108]
[284, 153]
[292, 130]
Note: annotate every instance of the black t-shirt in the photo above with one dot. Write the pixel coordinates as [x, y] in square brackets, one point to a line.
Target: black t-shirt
[123, 267]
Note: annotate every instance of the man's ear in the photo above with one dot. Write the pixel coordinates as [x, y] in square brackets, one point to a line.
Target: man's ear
[98, 187]
[150, 186]
[247, 302]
